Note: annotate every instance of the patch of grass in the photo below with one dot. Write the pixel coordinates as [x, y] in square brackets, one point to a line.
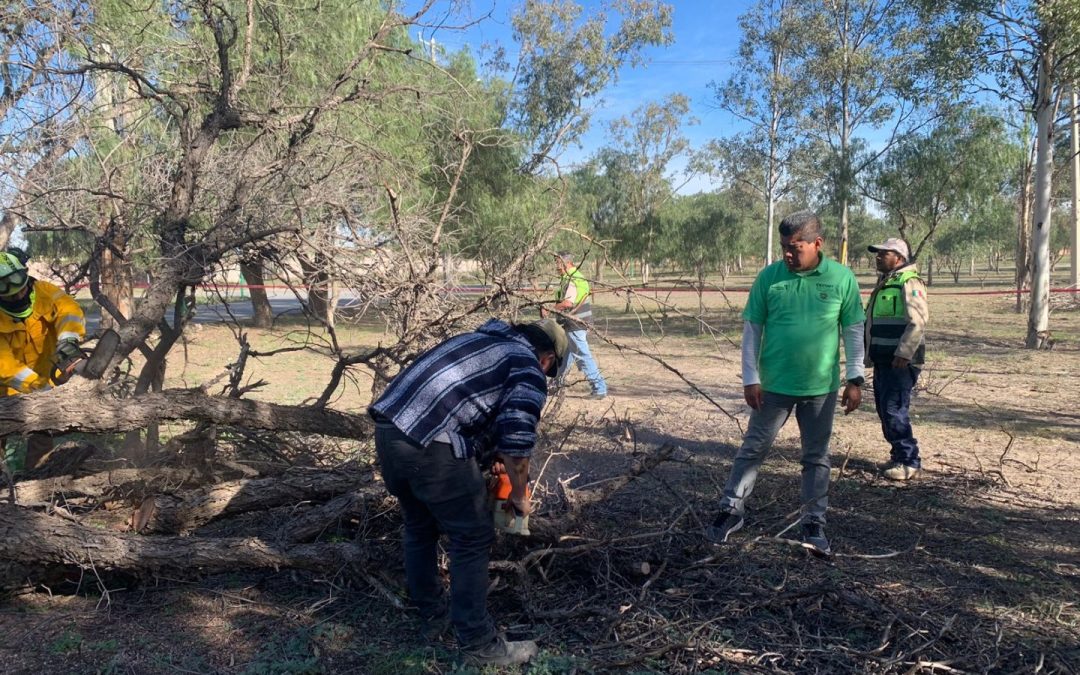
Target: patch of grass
[293, 657]
[69, 641]
[110, 645]
[415, 661]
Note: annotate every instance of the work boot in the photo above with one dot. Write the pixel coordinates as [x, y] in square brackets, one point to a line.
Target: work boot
[898, 471]
[500, 652]
[813, 538]
[726, 523]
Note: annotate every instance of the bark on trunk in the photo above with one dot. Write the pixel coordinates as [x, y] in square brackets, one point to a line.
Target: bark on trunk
[261, 314]
[183, 513]
[117, 283]
[86, 406]
[103, 486]
[33, 541]
[1038, 333]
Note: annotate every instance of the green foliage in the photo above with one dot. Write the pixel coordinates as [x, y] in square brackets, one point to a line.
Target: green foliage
[67, 642]
[567, 59]
[703, 231]
[954, 175]
[631, 177]
[289, 657]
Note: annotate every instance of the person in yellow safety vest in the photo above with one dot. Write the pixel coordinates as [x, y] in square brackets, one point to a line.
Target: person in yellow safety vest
[573, 301]
[40, 330]
[896, 318]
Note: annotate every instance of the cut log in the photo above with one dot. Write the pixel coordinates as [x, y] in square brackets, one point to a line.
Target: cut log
[309, 524]
[105, 485]
[88, 406]
[185, 512]
[32, 540]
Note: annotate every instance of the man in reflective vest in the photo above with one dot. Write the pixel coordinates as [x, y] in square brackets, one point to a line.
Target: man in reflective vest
[895, 321]
[40, 330]
[574, 300]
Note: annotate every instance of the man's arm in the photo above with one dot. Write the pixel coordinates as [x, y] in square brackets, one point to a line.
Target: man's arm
[517, 469]
[751, 348]
[916, 313]
[853, 344]
[569, 300]
[852, 327]
[515, 434]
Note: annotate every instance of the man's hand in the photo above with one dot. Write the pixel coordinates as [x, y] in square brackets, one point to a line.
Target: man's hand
[66, 360]
[519, 505]
[900, 362]
[517, 468]
[755, 398]
[852, 397]
[543, 312]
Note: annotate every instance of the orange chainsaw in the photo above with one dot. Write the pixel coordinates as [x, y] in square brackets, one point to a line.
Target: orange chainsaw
[508, 519]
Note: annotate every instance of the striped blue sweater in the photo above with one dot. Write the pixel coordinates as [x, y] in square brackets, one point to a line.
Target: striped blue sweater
[484, 389]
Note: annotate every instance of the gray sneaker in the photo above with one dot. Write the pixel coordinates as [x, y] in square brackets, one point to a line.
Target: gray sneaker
[500, 652]
[898, 471]
[813, 538]
[726, 524]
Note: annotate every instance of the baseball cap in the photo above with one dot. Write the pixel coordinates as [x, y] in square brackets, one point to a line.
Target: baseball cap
[894, 244]
[555, 332]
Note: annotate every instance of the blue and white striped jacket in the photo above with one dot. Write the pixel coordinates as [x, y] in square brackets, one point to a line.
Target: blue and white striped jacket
[478, 388]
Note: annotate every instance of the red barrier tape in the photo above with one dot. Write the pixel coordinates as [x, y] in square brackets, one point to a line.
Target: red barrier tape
[636, 289]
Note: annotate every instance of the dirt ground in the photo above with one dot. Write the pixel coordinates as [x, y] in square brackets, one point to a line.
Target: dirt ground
[973, 567]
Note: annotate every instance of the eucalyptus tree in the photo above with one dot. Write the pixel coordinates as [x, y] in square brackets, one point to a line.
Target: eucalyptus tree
[764, 94]
[566, 58]
[948, 172]
[869, 65]
[1032, 50]
[639, 164]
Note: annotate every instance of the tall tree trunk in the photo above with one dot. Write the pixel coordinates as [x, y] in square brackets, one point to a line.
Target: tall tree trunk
[320, 291]
[262, 314]
[117, 283]
[1038, 333]
[1074, 229]
[1023, 233]
[701, 297]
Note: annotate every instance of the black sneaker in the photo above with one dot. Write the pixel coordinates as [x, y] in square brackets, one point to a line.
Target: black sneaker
[813, 538]
[725, 524]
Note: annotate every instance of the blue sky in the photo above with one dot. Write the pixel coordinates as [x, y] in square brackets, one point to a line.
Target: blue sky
[704, 50]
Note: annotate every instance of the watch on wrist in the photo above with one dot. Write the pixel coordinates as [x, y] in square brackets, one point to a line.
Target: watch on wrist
[857, 381]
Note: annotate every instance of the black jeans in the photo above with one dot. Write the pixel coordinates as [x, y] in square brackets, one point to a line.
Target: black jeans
[439, 493]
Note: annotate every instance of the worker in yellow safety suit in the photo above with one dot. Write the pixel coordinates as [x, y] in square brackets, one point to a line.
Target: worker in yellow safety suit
[41, 327]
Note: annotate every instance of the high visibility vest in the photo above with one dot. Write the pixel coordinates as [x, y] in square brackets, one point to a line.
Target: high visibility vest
[27, 347]
[888, 319]
[582, 310]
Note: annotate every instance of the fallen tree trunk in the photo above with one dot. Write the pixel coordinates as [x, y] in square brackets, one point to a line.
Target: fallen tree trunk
[88, 406]
[32, 540]
[183, 513]
[106, 484]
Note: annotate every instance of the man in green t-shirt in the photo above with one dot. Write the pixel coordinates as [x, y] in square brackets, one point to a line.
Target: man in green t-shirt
[798, 309]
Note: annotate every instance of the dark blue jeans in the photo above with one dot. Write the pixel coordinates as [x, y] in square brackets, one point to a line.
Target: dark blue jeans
[892, 397]
[439, 493]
